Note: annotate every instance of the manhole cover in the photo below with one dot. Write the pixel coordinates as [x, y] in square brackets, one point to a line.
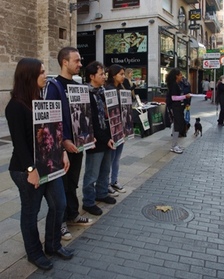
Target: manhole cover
[167, 213]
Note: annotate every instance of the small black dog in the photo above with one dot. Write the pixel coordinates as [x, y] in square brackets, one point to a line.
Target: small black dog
[197, 127]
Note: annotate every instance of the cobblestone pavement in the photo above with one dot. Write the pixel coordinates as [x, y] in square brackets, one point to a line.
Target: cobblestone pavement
[135, 238]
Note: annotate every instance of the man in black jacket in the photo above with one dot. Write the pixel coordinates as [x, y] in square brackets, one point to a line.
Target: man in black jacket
[98, 159]
[70, 62]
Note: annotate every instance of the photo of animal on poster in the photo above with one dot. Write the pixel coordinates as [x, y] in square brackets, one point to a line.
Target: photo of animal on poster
[114, 116]
[126, 113]
[81, 117]
[82, 126]
[48, 138]
[49, 148]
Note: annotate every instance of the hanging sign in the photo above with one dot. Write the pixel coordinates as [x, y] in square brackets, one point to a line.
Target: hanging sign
[211, 64]
[195, 14]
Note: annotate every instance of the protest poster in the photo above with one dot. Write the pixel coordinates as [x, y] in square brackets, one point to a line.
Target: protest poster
[48, 138]
[81, 117]
[126, 113]
[114, 116]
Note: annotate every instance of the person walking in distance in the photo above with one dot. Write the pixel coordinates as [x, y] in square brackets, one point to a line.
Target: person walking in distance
[29, 79]
[205, 86]
[70, 62]
[98, 159]
[220, 100]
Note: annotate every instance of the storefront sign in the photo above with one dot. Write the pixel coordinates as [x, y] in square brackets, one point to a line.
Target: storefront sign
[195, 14]
[86, 44]
[211, 55]
[211, 64]
[125, 3]
[194, 26]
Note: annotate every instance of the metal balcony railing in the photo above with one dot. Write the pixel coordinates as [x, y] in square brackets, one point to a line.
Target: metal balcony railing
[216, 3]
[212, 22]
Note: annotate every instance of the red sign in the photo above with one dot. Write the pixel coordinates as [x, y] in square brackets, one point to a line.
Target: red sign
[211, 64]
[125, 3]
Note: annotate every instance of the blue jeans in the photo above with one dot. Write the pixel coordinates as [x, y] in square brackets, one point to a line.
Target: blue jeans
[95, 181]
[115, 160]
[31, 198]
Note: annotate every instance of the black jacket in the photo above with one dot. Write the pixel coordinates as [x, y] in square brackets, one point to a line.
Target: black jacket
[102, 136]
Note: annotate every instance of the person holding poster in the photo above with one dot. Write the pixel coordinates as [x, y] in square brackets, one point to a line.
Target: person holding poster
[115, 80]
[29, 79]
[70, 62]
[98, 159]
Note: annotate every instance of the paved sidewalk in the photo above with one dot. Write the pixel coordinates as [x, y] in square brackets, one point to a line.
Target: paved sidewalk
[123, 243]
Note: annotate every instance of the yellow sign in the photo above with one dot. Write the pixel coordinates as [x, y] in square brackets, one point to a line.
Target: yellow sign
[195, 14]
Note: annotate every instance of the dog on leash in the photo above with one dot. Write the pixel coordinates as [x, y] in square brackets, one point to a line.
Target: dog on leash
[197, 127]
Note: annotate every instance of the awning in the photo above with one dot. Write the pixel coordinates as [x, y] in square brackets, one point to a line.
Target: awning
[194, 43]
[201, 45]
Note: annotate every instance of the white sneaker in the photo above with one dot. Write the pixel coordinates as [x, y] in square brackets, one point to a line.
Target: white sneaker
[80, 221]
[65, 233]
[176, 149]
[117, 187]
[112, 192]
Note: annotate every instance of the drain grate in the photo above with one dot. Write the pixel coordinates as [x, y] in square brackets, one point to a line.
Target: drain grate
[176, 215]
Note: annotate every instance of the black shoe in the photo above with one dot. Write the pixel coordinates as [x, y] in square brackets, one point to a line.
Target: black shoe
[42, 263]
[63, 253]
[107, 199]
[94, 210]
[182, 135]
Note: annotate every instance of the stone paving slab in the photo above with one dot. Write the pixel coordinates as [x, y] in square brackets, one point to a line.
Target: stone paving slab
[123, 243]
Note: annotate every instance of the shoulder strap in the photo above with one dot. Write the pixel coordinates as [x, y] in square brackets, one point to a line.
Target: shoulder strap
[56, 83]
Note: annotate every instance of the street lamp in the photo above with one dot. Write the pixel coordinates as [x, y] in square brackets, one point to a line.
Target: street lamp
[181, 20]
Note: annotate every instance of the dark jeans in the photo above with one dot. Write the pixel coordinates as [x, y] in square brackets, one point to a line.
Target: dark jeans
[31, 198]
[71, 180]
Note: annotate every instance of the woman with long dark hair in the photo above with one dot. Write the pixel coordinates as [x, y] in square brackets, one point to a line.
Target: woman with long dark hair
[29, 79]
[175, 102]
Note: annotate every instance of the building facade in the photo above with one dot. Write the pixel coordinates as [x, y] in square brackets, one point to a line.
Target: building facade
[150, 36]
[32, 29]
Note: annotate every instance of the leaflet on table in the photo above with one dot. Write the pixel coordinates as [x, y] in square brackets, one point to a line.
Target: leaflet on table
[48, 137]
[114, 116]
[80, 109]
[126, 113]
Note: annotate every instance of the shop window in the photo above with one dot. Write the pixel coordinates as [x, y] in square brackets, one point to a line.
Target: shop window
[182, 58]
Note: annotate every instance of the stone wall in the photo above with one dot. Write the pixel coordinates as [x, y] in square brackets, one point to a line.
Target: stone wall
[30, 28]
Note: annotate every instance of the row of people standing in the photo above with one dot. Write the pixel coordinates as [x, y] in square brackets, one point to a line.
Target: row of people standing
[60, 193]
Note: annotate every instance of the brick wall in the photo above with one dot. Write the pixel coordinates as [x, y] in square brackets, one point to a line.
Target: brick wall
[30, 28]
